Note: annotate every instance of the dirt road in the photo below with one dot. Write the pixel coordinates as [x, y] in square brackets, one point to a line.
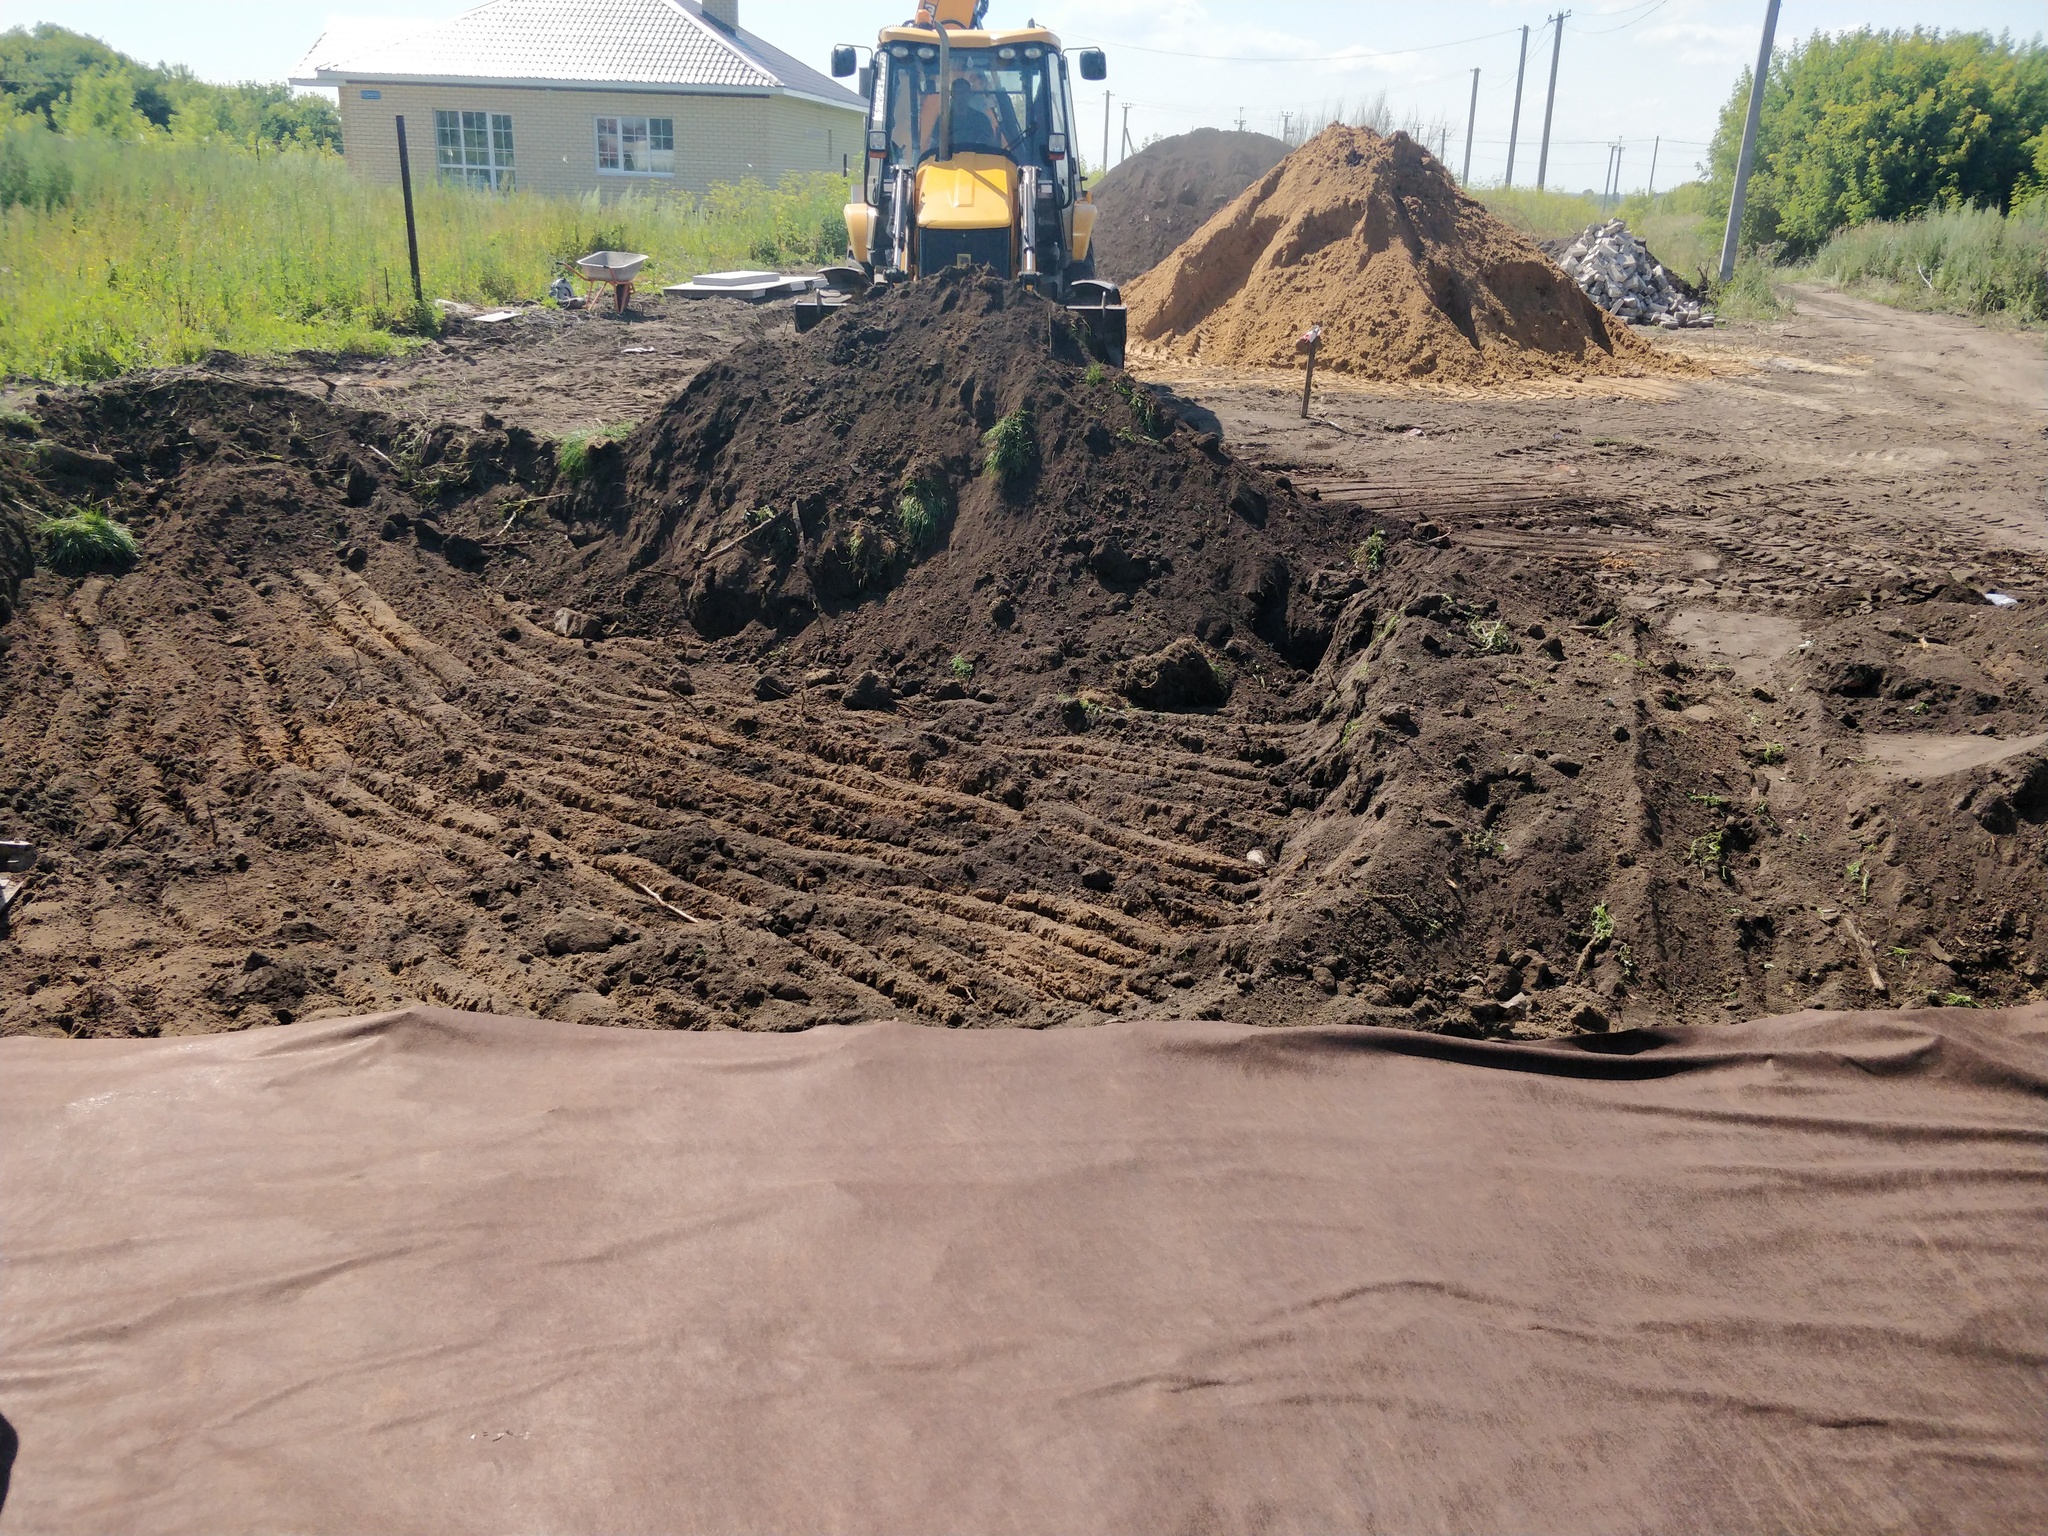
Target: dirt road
[1745, 709]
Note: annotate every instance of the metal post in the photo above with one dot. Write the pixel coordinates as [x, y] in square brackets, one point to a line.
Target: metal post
[1556, 46]
[1471, 117]
[1655, 145]
[1748, 155]
[412, 237]
[1515, 121]
[1307, 342]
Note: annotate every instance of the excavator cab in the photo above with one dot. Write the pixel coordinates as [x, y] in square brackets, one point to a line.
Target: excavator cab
[969, 163]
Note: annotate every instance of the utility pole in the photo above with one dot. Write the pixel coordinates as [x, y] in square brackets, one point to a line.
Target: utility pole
[1286, 127]
[1619, 150]
[1105, 133]
[1123, 149]
[1556, 45]
[1240, 119]
[1655, 145]
[1748, 155]
[1471, 117]
[1515, 122]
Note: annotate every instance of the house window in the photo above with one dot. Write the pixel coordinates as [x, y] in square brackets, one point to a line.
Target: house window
[474, 148]
[637, 146]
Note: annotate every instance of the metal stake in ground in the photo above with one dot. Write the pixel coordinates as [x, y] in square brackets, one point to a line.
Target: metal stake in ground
[412, 237]
[1306, 342]
[1749, 127]
[1550, 101]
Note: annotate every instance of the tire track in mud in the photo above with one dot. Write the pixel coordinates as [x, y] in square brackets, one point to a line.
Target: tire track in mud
[391, 799]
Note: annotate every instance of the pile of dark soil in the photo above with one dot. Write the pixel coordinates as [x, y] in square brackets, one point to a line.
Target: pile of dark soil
[837, 493]
[1140, 732]
[1410, 279]
[1158, 197]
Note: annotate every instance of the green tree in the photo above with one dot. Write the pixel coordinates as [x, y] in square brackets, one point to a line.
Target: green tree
[1883, 125]
[81, 87]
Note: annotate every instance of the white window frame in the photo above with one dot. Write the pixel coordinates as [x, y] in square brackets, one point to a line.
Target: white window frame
[497, 169]
[620, 126]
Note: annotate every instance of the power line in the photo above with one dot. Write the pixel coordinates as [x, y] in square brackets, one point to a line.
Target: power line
[1657, 6]
[1319, 58]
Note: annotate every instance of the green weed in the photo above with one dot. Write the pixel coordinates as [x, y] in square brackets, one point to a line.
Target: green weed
[963, 668]
[1093, 375]
[1143, 406]
[19, 424]
[1490, 637]
[1710, 852]
[572, 454]
[1771, 752]
[1603, 925]
[1372, 554]
[1917, 707]
[86, 540]
[1957, 1000]
[1711, 802]
[1485, 844]
[1012, 449]
[1858, 875]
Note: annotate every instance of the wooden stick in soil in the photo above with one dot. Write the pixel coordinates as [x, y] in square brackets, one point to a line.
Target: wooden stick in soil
[1307, 343]
[412, 238]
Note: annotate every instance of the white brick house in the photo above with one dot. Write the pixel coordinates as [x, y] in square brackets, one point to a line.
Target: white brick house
[574, 96]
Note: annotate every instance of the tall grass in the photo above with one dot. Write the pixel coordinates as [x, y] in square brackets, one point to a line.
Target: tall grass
[1677, 224]
[125, 256]
[1971, 261]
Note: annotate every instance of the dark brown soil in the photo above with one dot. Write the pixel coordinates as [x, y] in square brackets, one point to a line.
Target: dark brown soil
[324, 749]
[1154, 200]
[768, 502]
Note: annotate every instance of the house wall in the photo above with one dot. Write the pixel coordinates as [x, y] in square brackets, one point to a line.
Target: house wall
[718, 137]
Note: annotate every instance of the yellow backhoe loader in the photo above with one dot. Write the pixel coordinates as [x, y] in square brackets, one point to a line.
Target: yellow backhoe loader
[970, 164]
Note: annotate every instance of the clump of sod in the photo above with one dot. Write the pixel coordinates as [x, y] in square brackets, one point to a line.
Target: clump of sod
[572, 454]
[87, 540]
[920, 511]
[1012, 450]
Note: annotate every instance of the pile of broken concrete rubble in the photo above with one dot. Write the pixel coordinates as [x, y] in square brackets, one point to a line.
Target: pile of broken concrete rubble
[1618, 273]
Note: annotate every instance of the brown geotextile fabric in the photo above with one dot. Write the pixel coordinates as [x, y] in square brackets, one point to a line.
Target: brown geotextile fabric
[441, 1272]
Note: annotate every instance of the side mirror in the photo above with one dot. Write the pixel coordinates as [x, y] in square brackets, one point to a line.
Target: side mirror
[842, 61]
[867, 80]
[1055, 146]
[878, 141]
[1093, 65]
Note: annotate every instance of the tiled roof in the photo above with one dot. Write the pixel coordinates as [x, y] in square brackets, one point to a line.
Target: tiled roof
[597, 42]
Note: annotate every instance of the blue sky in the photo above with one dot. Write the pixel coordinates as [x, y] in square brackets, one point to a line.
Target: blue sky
[1634, 71]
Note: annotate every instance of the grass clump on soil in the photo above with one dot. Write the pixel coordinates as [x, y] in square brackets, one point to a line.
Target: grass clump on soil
[1750, 294]
[1372, 554]
[572, 454]
[921, 511]
[86, 540]
[159, 252]
[1970, 261]
[19, 424]
[1012, 449]
[962, 668]
[1490, 637]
